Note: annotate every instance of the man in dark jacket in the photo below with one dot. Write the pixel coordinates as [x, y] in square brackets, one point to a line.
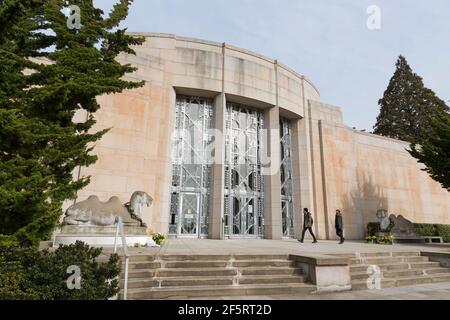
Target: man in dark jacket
[307, 225]
[339, 224]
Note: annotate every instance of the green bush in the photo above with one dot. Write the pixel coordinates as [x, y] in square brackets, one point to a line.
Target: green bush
[372, 228]
[425, 229]
[157, 237]
[31, 274]
[433, 230]
[443, 230]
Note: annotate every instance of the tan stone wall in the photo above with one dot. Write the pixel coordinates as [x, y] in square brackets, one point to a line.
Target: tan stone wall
[136, 153]
[361, 173]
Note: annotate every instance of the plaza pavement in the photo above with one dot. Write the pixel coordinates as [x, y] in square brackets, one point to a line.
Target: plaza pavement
[288, 246]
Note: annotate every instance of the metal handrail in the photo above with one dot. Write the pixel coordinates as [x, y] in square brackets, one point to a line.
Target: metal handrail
[119, 228]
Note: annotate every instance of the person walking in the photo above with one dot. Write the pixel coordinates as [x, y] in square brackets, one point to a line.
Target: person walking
[339, 224]
[307, 225]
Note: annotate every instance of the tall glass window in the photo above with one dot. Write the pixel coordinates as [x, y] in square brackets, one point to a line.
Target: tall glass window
[286, 179]
[191, 165]
[244, 184]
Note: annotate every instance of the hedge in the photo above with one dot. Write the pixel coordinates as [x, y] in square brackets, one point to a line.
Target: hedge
[422, 229]
[43, 275]
[433, 230]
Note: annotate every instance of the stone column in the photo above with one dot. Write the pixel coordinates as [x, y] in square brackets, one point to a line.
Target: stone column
[216, 206]
[272, 192]
[302, 167]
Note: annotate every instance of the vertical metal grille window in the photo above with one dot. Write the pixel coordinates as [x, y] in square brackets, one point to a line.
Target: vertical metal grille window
[191, 165]
[244, 184]
[286, 179]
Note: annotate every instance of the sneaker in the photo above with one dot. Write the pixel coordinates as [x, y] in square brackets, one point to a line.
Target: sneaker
[315, 241]
[300, 241]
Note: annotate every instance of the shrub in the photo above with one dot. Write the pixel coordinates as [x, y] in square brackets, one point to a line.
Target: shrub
[370, 239]
[433, 230]
[425, 229]
[385, 240]
[443, 230]
[372, 228]
[157, 237]
[31, 274]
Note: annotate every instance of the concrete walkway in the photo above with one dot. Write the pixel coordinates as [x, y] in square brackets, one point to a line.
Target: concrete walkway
[289, 246]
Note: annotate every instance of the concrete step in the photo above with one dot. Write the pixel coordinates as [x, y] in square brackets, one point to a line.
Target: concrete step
[215, 257]
[403, 281]
[437, 270]
[182, 272]
[374, 254]
[387, 260]
[263, 263]
[193, 257]
[270, 271]
[164, 282]
[142, 265]
[395, 266]
[272, 279]
[261, 257]
[208, 291]
[139, 273]
[390, 274]
[196, 264]
[134, 283]
[362, 284]
[192, 281]
[378, 254]
[406, 254]
[138, 258]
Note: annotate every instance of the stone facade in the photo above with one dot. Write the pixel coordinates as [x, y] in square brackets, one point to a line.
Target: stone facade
[333, 166]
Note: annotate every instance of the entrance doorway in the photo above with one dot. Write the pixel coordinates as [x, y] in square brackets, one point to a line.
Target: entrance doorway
[244, 184]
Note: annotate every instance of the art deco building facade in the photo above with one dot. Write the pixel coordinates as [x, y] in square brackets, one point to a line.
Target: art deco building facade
[230, 143]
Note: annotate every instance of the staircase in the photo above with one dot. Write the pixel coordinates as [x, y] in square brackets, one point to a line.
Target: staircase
[188, 276]
[397, 269]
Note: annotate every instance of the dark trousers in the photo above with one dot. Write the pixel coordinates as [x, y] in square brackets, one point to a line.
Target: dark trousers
[310, 231]
[340, 234]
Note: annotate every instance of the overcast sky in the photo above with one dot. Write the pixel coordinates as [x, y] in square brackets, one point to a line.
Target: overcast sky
[326, 40]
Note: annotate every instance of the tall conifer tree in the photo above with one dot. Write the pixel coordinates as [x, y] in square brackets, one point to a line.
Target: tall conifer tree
[407, 105]
[40, 145]
[434, 150]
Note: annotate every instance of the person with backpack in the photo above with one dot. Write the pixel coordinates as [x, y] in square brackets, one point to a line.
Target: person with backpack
[307, 225]
[339, 225]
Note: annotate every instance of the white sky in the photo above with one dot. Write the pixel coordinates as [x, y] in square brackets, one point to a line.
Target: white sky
[326, 40]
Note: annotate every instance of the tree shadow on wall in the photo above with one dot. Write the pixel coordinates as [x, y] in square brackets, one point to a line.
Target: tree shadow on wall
[360, 207]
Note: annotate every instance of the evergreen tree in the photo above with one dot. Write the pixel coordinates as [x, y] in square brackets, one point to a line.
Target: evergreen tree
[40, 145]
[407, 105]
[434, 150]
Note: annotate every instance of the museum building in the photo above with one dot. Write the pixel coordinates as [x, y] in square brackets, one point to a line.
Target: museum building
[232, 144]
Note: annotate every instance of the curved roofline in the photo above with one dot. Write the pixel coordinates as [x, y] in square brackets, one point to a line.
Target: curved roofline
[218, 44]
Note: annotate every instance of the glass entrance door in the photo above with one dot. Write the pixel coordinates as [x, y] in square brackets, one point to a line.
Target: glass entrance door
[286, 179]
[190, 210]
[191, 168]
[244, 183]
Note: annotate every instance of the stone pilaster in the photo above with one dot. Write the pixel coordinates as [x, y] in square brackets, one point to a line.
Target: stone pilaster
[216, 206]
[272, 192]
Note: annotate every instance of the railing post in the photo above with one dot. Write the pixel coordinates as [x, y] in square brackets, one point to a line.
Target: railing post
[117, 233]
[125, 286]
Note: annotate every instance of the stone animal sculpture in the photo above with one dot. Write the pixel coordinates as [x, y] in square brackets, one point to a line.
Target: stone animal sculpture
[384, 220]
[93, 212]
[138, 200]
